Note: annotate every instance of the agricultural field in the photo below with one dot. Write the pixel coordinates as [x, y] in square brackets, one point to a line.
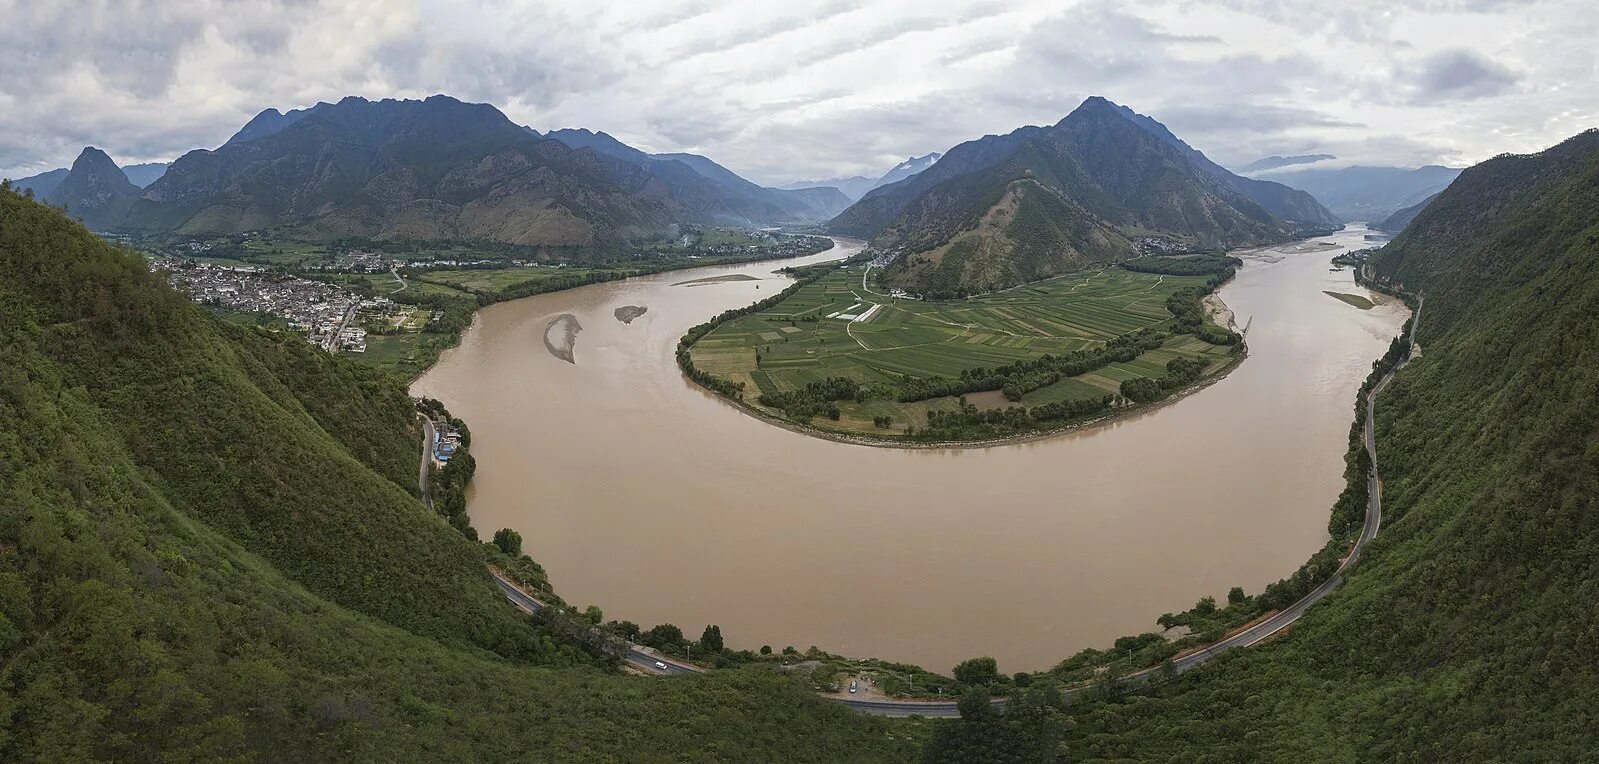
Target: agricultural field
[836, 327]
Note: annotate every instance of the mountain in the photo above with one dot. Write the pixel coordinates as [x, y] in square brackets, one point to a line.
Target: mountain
[853, 188]
[856, 187]
[602, 142]
[906, 169]
[760, 204]
[142, 175]
[435, 169]
[1396, 222]
[1006, 209]
[270, 121]
[1274, 162]
[94, 191]
[1367, 193]
[212, 549]
[42, 184]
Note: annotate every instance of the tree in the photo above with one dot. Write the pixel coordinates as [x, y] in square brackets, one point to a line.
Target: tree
[711, 639]
[509, 541]
[1236, 596]
[663, 636]
[594, 614]
[973, 704]
[1205, 606]
[766, 649]
[984, 670]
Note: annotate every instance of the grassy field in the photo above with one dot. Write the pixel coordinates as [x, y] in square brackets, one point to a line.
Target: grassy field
[835, 328]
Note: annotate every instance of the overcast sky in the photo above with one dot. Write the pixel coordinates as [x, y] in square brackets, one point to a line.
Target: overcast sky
[785, 90]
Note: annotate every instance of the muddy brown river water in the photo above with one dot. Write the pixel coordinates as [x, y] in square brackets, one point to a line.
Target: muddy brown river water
[643, 494]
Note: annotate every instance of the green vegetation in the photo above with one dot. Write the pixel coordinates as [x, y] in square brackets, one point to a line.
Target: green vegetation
[212, 548]
[832, 354]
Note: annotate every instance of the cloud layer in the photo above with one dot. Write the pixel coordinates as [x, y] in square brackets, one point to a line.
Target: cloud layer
[780, 91]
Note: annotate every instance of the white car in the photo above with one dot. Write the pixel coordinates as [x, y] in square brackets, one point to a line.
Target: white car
[660, 665]
[851, 685]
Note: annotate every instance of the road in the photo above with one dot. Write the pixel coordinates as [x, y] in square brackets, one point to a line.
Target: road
[642, 658]
[638, 656]
[427, 458]
[331, 342]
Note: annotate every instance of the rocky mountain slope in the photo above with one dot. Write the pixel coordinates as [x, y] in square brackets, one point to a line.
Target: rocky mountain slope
[1039, 201]
[95, 191]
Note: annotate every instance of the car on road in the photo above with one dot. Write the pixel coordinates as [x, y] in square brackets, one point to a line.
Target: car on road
[660, 665]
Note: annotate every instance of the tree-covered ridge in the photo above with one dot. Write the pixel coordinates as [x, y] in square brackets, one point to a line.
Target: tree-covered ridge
[211, 549]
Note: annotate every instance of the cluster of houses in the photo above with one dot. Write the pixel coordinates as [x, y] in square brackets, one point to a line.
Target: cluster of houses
[322, 311]
[446, 440]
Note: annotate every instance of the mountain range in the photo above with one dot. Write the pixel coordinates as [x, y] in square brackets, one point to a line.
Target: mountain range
[1366, 193]
[772, 204]
[1005, 209]
[857, 186]
[434, 169]
[1273, 162]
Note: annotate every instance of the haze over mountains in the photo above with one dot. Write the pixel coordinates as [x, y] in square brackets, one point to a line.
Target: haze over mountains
[857, 186]
[812, 204]
[1366, 193]
[1006, 209]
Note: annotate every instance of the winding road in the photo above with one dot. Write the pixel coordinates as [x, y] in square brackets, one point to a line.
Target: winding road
[648, 661]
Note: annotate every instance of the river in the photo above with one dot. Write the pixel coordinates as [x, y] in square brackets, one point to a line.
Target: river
[647, 496]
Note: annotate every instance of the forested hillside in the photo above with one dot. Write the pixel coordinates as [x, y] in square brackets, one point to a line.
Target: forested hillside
[1467, 632]
[211, 548]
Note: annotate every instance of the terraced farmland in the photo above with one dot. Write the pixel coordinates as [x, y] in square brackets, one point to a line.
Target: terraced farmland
[836, 328]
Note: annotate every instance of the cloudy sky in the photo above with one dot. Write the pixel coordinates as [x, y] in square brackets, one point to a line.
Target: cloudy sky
[787, 90]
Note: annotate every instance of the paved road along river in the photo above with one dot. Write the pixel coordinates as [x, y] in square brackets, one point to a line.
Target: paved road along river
[660, 503]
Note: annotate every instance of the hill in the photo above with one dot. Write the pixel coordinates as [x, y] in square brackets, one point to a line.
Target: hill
[94, 191]
[1466, 631]
[212, 549]
[1039, 201]
[1367, 193]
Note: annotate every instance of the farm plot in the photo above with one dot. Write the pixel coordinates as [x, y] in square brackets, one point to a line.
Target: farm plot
[834, 328]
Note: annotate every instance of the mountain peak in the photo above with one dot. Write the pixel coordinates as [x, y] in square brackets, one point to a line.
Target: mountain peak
[93, 158]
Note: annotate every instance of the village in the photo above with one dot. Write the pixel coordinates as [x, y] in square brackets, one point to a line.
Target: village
[325, 313]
